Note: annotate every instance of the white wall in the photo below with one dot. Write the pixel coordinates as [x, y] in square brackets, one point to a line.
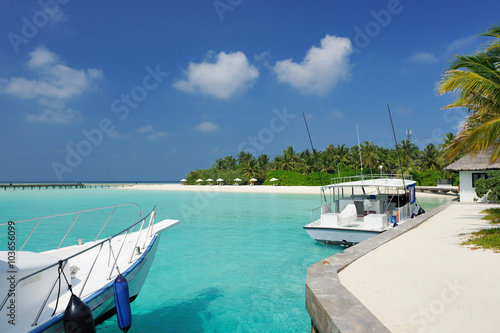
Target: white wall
[467, 192]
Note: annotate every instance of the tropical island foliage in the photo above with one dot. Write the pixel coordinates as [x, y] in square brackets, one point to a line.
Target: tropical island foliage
[489, 186]
[302, 168]
[476, 80]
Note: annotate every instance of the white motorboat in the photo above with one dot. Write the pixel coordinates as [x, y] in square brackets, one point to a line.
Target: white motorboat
[39, 288]
[356, 209]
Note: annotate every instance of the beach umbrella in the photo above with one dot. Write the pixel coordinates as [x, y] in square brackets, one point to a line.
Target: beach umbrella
[237, 180]
[220, 180]
[253, 180]
[199, 180]
[210, 180]
[273, 180]
[183, 180]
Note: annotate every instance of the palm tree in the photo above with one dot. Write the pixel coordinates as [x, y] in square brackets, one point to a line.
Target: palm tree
[289, 159]
[229, 163]
[343, 154]
[447, 140]
[354, 161]
[263, 166]
[408, 152]
[430, 158]
[250, 168]
[243, 157]
[219, 164]
[325, 164]
[263, 161]
[369, 155]
[476, 79]
[306, 163]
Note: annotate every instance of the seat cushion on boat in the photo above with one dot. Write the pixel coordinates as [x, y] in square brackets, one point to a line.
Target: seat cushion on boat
[349, 214]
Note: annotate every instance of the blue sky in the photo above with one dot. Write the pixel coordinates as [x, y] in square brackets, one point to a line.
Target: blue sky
[112, 90]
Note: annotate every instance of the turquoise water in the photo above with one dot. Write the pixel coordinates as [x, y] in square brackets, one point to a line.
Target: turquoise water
[235, 263]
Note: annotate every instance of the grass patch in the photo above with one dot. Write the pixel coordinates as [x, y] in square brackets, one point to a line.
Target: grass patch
[492, 215]
[486, 239]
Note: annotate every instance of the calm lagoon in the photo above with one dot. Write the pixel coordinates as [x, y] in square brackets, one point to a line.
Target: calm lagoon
[237, 262]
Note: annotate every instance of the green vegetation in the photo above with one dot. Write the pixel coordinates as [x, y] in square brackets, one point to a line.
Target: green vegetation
[301, 168]
[492, 215]
[486, 239]
[476, 80]
[489, 186]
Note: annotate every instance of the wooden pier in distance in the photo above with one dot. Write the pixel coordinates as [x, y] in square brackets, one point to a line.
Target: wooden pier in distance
[47, 186]
[438, 189]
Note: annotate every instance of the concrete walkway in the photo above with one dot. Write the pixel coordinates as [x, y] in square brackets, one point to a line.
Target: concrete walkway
[424, 281]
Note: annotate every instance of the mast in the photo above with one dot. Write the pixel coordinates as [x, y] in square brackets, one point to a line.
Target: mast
[315, 158]
[397, 151]
[360, 160]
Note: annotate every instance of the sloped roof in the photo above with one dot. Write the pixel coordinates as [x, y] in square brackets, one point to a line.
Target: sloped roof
[479, 161]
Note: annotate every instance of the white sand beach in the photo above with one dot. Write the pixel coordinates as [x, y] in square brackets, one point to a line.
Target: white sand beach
[247, 189]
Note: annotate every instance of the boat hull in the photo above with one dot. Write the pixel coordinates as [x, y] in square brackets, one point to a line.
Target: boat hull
[340, 236]
[102, 303]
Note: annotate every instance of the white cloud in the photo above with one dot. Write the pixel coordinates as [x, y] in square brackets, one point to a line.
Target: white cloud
[458, 45]
[423, 57]
[116, 135]
[229, 74]
[53, 85]
[54, 116]
[53, 111]
[55, 80]
[321, 68]
[157, 135]
[336, 115]
[207, 127]
[145, 129]
[154, 135]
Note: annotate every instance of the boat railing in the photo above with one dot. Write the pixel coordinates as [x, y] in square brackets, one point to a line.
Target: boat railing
[316, 212]
[78, 214]
[347, 179]
[112, 257]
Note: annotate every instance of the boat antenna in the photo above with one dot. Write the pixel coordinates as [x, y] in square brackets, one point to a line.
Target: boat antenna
[396, 144]
[360, 160]
[315, 158]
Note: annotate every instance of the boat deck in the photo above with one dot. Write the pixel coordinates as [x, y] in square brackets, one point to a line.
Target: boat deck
[91, 274]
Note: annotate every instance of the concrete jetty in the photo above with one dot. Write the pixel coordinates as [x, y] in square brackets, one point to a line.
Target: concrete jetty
[413, 278]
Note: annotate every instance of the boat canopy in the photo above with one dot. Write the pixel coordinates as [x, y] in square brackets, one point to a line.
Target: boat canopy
[387, 182]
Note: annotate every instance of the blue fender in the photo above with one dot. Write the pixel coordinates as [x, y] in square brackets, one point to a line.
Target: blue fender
[122, 302]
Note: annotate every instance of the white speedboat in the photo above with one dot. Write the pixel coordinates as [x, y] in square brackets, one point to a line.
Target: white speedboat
[356, 209]
[43, 291]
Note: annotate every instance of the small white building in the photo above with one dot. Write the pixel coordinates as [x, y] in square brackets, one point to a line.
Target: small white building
[471, 168]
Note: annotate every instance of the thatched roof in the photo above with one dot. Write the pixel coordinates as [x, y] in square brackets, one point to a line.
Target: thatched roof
[479, 161]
